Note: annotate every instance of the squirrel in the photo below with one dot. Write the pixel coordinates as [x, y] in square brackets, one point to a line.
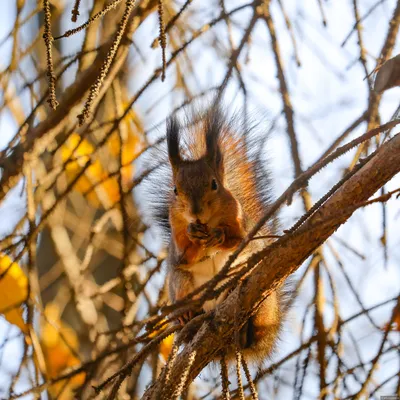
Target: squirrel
[216, 189]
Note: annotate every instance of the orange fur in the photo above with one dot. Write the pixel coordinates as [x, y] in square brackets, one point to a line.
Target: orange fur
[217, 193]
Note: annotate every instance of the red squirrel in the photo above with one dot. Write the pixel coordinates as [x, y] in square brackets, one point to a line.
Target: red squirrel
[218, 190]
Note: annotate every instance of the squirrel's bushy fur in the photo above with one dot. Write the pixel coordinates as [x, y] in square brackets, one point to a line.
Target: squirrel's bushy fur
[211, 187]
[246, 166]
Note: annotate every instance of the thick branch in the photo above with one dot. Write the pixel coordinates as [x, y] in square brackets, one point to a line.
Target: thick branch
[283, 260]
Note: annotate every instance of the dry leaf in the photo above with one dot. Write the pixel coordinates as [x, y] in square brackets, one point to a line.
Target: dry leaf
[388, 75]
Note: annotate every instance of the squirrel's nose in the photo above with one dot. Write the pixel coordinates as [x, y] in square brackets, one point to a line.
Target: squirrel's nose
[196, 208]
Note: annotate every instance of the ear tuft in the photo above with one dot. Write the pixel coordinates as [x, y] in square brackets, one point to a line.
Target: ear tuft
[214, 126]
[173, 128]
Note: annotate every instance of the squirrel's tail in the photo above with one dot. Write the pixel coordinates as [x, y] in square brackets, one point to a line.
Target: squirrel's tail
[260, 335]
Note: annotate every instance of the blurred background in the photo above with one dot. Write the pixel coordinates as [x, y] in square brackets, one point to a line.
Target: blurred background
[88, 263]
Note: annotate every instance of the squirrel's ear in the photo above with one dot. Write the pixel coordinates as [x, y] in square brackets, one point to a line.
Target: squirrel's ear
[213, 151]
[214, 155]
[173, 141]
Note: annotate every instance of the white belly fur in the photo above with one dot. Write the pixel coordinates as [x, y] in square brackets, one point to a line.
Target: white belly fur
[205, 270]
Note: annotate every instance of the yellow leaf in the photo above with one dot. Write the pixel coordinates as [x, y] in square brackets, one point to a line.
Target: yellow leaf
[59, 343]
[166, 346]
[99, 188]
[80, 157]
[13, 291]
[130, 147]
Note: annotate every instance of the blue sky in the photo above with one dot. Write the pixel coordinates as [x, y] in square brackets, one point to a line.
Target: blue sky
[326, 100]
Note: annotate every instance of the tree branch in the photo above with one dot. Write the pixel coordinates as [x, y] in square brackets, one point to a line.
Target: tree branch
[37, 137]
[284, 257]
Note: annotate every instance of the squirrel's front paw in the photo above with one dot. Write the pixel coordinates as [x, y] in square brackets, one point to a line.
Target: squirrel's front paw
[216, 237]
[198, 233]
[186, 317]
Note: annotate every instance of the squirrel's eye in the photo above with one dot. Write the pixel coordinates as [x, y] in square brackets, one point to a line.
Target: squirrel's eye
[214, 185]
[175, 191]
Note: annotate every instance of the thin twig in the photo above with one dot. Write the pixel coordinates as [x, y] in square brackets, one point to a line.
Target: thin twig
[238, 356]
[250, 382]
[48, 39]
[94, 90]
[75, 11]
[95, 17]
[224, 378]
[162, 37]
